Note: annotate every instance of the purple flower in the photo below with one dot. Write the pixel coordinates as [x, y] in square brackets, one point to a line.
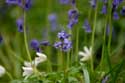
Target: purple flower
[11, 1]
[67, 45]
[63, 35]
[35, 45]
[1, 39]
[105, 79]
[19, 24]
[58, 44]
[104, 9]
[116, 2]
[64, 44]
[73, 2]
[73, 18]
[27, 4]
[53, 21]
[122, 12]
[115, 15]
[87, 27]
[45, 43]
[105, 1]
[64, 1]
[93, 3]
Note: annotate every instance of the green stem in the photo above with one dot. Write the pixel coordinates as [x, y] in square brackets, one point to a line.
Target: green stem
[25, 38]
[93, 35]
[9, 75]
[110, 36]
[77, 44]
[104, 38]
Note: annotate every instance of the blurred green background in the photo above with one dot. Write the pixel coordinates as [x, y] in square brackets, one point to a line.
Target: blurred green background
[12, 49]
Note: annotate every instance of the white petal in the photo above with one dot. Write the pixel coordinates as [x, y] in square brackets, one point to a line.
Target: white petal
[40, 54]
[82, 54]
[27, 64]
[27, 71]
[39, 60]
[2, 70]
[85, 58]
[87, 51]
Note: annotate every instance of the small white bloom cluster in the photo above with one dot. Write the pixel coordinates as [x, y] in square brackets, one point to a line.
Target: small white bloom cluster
[2, 70]
[28, 69]
[86, 55]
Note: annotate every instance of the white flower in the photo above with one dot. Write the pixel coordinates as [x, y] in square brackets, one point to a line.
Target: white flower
[2, 70]
[41, 58]
[27, 71]
[86, 55]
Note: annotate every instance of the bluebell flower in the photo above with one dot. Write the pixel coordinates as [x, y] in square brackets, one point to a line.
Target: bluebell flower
[67, 45]
[122, 12]
[1, 39]
[58, 44]
[73, 2]
[105, 79]
[87, 26]
[64, 1]
[115, 15]
[73, 18]
[93, 3]
[116, 2]
[27, 4]
[104, 9]
[64, 44]
[63, 35]
[11, 1]
[20, 23]
[35, 45]
[45, 43]
[53, 21]
[105, 1]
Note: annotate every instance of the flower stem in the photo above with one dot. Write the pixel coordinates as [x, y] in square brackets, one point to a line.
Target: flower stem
[25, 37]
[93, 35]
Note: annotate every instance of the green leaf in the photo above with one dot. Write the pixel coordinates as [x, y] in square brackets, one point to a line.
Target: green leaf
[86, 75]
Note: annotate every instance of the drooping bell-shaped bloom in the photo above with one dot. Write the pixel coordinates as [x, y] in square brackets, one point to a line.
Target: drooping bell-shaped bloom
[35, 45]
[45, 43]
[12, 1]
[63, 35]
[87, 27]
[115, 15]
[104, 9]
[25, 5]
[1, 39]
[64, 1]
[67, 45]
[20, 24]
[93, 3]
[73, 18]
[53, 21]
[122, 12]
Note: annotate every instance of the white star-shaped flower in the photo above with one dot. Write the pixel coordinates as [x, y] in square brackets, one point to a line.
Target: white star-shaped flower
[86, 55]
[28, 69]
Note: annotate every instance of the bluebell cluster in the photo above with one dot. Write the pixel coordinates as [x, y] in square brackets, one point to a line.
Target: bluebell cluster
[64, 44]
